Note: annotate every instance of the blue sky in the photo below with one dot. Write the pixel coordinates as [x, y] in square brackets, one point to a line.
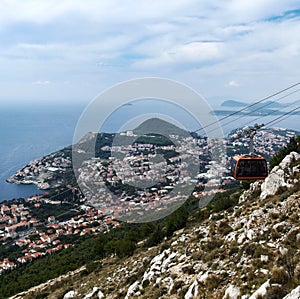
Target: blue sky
[71, 50]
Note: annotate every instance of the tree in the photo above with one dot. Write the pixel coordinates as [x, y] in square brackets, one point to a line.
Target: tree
[125, 247]
[147, 228]
[99, 247]
[176, 220]
[156, 237]
[293, 145]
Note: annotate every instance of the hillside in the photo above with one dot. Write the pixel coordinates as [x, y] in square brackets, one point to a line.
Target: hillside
[233, 103]
[159, 126]
[250, 250]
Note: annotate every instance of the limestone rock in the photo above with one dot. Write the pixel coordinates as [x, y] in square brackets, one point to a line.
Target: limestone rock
[254, 187]
[294, 294]
[70, 294]
[232, 292]
[192, 291]
[262, 291]
[132, 290]
[280, 176]
[100, 295]
[92, 293]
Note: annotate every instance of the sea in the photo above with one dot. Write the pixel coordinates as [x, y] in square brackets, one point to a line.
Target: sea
[32, 130]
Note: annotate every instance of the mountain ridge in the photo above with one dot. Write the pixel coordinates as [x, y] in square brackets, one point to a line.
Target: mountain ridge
[159, 126]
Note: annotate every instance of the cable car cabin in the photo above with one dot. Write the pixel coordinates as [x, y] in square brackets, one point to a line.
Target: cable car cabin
[245, 167]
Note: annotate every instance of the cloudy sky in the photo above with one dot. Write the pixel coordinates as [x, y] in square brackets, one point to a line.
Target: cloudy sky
[72, 50]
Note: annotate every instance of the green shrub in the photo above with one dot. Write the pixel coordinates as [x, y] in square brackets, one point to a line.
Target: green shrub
[224, 228]
[93, 266]
[279, 275]
[212, 282]
[293, 145]
[146, 282]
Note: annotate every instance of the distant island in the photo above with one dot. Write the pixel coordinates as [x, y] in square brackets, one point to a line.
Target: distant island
[258, 109]
[269, 104]
[233, 103]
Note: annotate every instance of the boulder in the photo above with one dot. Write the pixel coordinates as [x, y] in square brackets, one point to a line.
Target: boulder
[192, 291]
[132, 290]
[70, 294]
[247, 194]
[262, 291]
[232, 292]
[294, 294]
[100, 295]
[92, 293]
[280, 176]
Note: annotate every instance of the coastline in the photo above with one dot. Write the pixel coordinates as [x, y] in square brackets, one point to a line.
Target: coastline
[31, 142]
[55, 170]
[14, 191]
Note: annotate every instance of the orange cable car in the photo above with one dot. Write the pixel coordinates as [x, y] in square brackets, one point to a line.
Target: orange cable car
[249, 167]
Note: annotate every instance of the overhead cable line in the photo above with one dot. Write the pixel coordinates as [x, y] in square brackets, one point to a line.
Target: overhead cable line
[281, 117]
[259, 117]
[247, 107]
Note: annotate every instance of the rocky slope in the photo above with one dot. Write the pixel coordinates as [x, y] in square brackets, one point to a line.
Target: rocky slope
[249, 251]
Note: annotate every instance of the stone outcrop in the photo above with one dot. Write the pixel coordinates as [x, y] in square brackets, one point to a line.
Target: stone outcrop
[262, 291]
[71, 294]
[281, 176]
[232, 292]
[294, 294]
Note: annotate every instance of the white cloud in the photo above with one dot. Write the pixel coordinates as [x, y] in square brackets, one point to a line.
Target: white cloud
[233, 83]
[104, 11]
[40, 82]
[197, 51]
[254, 10]
[184, 55]
[190, 40]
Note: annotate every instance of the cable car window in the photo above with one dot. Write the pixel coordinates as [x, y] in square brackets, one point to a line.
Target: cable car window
[233, 165]
[249, 168]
